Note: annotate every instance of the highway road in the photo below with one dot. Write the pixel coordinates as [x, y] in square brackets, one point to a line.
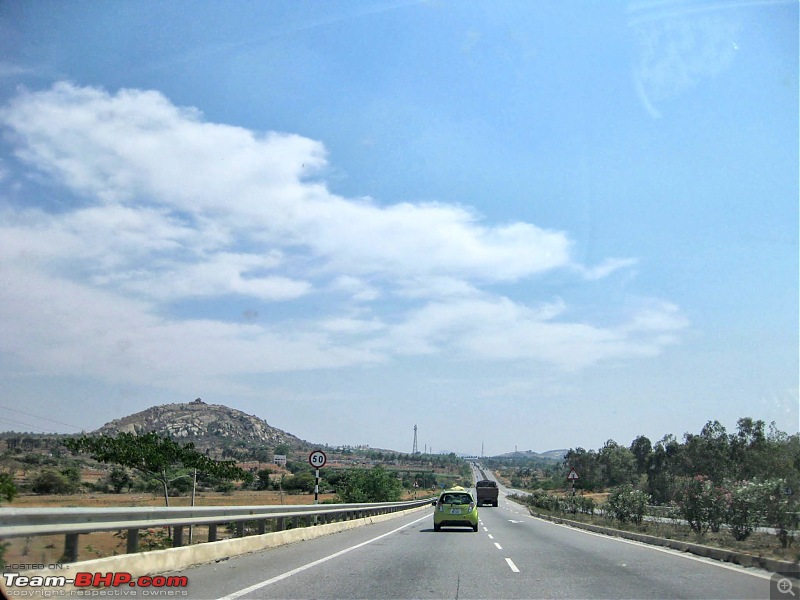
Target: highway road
[513, 555]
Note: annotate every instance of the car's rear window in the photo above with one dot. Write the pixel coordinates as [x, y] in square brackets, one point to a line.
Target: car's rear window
[456, 499]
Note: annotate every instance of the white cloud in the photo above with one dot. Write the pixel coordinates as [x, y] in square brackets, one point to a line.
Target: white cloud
[358, 289]
[222, 273]
[352, 326]
[605, 268]
[60, 327]
[136, 148]
[176, 208]
[436, 287]
[499, 329]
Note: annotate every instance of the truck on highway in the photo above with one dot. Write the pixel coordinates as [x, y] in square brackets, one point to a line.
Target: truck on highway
[487, 492]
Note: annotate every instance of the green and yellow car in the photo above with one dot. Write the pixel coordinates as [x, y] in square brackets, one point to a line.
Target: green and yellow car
[455, 507]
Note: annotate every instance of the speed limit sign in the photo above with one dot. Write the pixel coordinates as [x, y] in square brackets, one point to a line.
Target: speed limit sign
[317, 459]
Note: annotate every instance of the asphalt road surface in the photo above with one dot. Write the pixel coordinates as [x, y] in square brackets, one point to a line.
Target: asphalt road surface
[513, 555]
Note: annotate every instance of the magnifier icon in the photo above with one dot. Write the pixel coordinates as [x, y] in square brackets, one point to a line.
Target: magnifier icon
[785, 587]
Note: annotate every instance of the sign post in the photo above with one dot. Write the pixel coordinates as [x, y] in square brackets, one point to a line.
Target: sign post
[573, 475]
[317, 459]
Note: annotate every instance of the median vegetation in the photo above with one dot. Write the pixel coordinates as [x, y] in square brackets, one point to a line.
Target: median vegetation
[739, 490]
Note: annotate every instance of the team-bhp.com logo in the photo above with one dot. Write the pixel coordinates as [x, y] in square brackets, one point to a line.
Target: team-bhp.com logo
[91, 584]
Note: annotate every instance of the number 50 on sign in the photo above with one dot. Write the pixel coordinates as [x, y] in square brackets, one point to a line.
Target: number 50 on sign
[317, 459]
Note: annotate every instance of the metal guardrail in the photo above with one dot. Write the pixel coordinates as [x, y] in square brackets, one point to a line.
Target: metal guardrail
[72, 522]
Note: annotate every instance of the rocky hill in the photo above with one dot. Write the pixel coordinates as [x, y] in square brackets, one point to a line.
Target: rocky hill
[552, 455]
[206, 425]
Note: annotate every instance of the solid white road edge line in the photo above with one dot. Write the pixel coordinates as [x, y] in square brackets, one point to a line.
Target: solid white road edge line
[310, 565]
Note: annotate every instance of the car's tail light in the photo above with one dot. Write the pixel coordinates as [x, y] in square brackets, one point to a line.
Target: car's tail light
[471, 506]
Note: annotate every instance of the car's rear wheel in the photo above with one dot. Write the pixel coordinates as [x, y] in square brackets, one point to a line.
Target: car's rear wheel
[437, 527]
[475, 528]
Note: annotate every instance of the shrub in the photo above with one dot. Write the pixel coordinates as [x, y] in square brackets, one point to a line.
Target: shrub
[50, 482]
[577, 504]
[780, 506]
[374, 485]
[627, 504]
[743, 510]
[8, 491]
[702, 504]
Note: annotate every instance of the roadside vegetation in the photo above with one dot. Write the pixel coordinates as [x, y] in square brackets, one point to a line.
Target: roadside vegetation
[46, 465]
[147, 470]
[739, 490]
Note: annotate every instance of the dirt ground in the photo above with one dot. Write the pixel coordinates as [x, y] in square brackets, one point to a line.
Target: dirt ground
[239, 498]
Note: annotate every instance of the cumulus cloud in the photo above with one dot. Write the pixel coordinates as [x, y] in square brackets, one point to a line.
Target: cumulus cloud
[135, 147]
[161, 207]
[60, 327]
[496, 328]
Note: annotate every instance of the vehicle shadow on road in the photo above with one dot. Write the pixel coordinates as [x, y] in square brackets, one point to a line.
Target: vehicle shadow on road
[448, 530]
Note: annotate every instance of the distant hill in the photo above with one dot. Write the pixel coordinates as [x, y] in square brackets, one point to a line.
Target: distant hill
[552, 455]
[206, 425]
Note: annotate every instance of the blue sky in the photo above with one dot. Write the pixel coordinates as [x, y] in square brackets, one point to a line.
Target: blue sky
[527, 225]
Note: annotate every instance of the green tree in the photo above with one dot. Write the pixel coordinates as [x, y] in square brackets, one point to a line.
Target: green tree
[154, 456]
[283, 449]
[262, 479]
[748, 447]
[303, 482]
[617, 464]
[119, 479]
[8, 491]
[663, 466]
[642, 449]
[369, 485]
[709, 453]
[73, 477]
[51, 482]
[585, 464]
